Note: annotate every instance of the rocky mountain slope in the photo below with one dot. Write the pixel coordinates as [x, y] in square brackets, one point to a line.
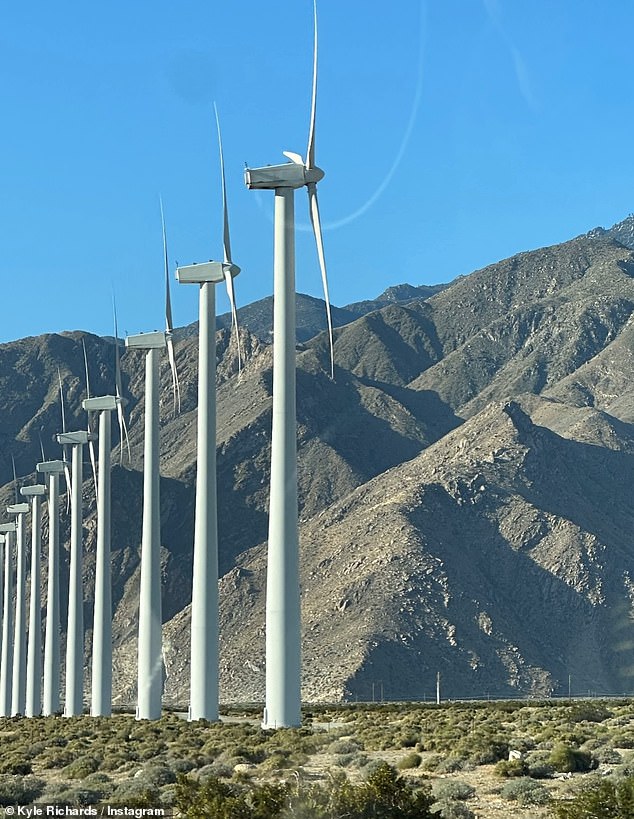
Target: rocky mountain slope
[465, 484]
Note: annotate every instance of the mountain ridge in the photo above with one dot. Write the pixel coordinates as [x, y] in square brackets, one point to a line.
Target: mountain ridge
[462, 483]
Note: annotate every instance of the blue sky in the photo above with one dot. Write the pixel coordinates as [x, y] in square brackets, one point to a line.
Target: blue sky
[453, 133]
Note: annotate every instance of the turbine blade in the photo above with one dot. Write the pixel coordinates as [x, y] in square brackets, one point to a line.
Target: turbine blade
[169, 324]
[67, 478]
[61, 399]
[123, 429]
[83, 344]
[15, 481]
[316, 222]
[41, 445]
[226, 241]
[296, 158]
[91, 444]
[310, 152]
[234, 315]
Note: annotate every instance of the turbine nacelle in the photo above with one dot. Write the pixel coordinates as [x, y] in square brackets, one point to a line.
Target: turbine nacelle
[156, 340]
[292, 174]
[102, 403]
[213, 272]
[54, 467]
[72, 438]
[33, 491]
[18, 508]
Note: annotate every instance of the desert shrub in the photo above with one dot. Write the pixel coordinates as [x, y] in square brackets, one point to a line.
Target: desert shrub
[432, 762]
[99, 782]
[408, 739]
[451, 764]
[601, 800]
[446, 789]
[372, 766]
[157, 775]
[135, 793]
[589, 712]
[65, 794]
[384, 795]
[56, 758]
[228, 801]
[483, 749]
[81, 767]
[412, 760]
[450, 809]
[508, 768]
[37, 748]
[357, 760]
[15, 763]
[19, 790]
[607, 756]
[567, 759]
[538, 766]
[344, 746]
[178, 765]
[283, 760]
[112, 761]
[623, 739]
[525, 792]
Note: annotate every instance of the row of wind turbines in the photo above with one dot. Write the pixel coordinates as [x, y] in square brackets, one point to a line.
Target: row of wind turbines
[22, 667]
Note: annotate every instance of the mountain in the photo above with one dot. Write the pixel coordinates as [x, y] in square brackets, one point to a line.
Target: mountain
[311, 312]
[464, 483]
[623, 232]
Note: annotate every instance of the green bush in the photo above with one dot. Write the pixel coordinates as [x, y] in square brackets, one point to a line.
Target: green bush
[15, 764]
[451, 764]
[81, 767]
[538, 766]
[223, 800]
[525, 792]
[344, 746]
[508, 768]
[450, 809]
[79, 795]
[566, 759]
[412, 760]
[443, 790]
[589, 712]
[601, 800]
[19, 790]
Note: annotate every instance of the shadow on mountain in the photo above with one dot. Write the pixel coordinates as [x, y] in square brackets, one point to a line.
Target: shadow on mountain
[519, 630]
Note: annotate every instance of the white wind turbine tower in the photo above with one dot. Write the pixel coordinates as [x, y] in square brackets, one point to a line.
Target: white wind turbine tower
[74, 699]
[18, 689]
[51, 693]
[204, 612]
[150, 654]
[283, 614]
[34, 652]
[101, 692]
[2, 540]
[7, 530]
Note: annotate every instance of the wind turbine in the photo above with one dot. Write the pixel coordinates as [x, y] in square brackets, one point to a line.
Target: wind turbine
[150, 654]
[283, 615]
[51, 697]
[34, 653]
[204, 611]
[2, 540]
[7, 530]
[101, 692]
[18, 690]
[74, 700]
